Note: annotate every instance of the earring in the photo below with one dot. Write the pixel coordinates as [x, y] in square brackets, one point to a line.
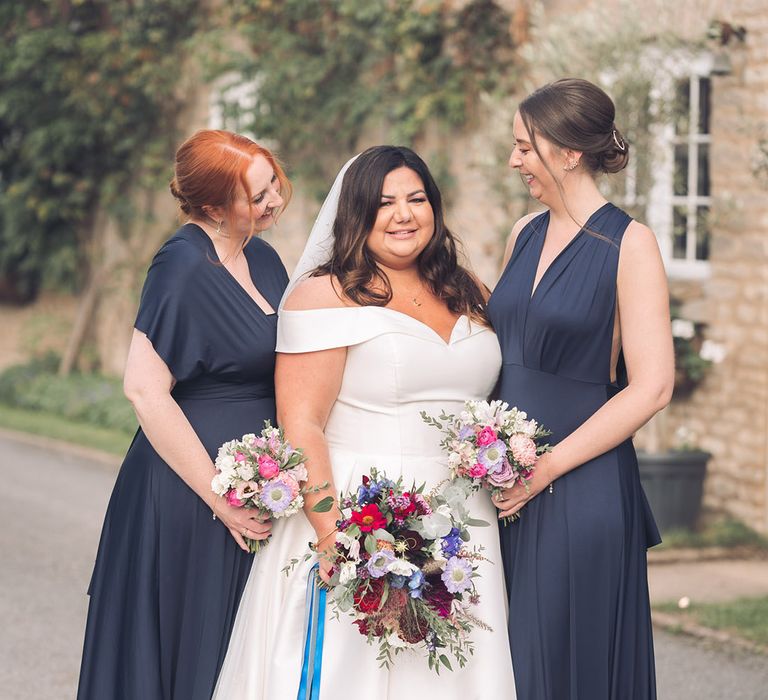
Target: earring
[218, 228]
[570, 165]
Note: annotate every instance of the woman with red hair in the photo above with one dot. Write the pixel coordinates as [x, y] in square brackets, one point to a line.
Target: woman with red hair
[172, 561]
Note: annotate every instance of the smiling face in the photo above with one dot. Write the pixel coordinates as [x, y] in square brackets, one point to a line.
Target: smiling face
[533, 168]
[405, 222]
[264, 201]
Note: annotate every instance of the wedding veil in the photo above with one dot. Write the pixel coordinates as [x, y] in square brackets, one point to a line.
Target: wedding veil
[320, 242]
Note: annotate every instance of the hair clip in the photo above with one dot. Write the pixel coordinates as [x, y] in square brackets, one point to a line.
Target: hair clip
[619, 144]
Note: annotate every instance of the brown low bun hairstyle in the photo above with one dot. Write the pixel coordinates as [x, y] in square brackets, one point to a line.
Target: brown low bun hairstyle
[360, 278]
[576, 114]
[210, 167]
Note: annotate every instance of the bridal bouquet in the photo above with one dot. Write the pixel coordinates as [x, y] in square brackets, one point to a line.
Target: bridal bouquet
[403, 570]
[262, 472]
[490, 444]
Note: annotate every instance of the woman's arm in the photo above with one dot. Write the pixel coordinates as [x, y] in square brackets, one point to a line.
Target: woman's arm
[147, 385]
[306, 386]
[643, 301]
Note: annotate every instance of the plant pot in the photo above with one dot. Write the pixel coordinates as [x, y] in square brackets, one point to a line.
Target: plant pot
[673, 482]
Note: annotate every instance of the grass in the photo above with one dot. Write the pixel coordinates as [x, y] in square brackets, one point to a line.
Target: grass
[53, 426]
[723, 533]
[746, 617]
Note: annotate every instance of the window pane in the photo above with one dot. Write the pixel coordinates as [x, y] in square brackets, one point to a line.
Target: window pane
[702, 233]
[704, 100]
[679, 224]
[702, 187]
[682, 106]
[681, 170]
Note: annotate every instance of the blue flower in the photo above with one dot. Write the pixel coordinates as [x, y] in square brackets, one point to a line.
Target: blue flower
[397, 581]
[451, 543]
[416, 584]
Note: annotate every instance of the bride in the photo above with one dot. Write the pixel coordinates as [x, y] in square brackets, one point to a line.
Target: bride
[379, 323]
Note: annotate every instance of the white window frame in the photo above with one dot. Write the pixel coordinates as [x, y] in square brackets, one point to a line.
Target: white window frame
[662, 199]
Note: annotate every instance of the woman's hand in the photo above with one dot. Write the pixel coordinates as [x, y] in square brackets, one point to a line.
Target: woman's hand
[510, 501]
[242, 523]
[325, 549]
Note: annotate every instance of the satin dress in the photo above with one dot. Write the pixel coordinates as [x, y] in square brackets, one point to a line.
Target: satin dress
[168, 578]
[575, 561]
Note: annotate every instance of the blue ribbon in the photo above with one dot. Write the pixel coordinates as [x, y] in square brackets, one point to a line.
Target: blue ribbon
[309, 689]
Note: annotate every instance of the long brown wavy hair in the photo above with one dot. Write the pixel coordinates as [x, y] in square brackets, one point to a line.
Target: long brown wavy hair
[352, 263]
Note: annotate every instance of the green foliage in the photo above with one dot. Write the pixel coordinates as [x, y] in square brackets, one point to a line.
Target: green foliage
[52, 426]
[84, 398]
[723, 533]
[87, 107]
[745, 617]
[326, 69]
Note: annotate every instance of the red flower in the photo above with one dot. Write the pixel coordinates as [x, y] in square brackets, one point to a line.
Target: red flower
[437, 596]
[368, 596]
[369, 518]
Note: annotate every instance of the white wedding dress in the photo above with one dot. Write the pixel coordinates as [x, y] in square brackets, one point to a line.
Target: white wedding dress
[396, 367]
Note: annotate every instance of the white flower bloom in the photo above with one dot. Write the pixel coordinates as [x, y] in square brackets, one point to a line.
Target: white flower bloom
[348, 572]
[245, 471]
[220, 484]
[401, 567]
[438, 524]
[682, 328]
[352, 545]
[712, 351]
[226, 463]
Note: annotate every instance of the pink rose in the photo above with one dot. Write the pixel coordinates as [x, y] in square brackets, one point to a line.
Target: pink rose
[486, 436]
[505, 477]
[268, 468]
[239, 457]
[523, 450]
[477, 471]
[233, 500]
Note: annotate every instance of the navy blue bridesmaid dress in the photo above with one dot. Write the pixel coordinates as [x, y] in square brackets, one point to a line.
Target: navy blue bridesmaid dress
[575, 561]
[168, 578]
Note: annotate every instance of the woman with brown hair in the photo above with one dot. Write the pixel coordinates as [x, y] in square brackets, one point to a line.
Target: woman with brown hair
[386, 325]
[172, 561]
[582, 315]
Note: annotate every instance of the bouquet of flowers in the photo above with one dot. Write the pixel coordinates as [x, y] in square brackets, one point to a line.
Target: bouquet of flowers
[403, 570]
[263, 472]
[490, 444]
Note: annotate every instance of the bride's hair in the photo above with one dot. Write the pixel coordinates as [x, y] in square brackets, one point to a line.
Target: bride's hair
[352, 263]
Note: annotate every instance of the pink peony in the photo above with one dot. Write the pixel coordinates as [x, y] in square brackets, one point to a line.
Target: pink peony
[268, 468]
[233, 500]
[523, 450]
[477, 471]
[486, 436]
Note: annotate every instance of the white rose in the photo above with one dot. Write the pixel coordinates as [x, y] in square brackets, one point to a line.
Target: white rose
[220, 484]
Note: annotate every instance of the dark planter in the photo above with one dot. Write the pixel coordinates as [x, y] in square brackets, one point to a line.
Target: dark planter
[673, 482]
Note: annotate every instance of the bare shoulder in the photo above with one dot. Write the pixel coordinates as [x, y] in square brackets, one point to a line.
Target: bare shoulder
[639, 248]
[315, 293]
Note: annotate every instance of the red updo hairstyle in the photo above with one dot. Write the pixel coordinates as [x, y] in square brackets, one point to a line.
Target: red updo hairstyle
[211, 166]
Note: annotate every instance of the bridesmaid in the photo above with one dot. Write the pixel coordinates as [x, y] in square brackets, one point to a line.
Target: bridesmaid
[169, 576]
[581, 311]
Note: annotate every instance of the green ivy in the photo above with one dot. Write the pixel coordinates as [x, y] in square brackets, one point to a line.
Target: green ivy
[88, 103]
[327, 69]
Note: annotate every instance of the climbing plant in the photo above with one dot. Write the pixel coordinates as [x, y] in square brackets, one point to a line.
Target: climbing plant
[88, 101]
[325, 70]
